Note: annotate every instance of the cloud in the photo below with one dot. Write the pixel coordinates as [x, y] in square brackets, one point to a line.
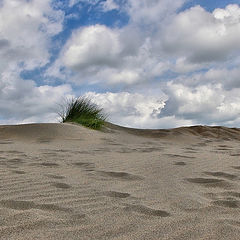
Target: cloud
[184, 66]
[98, 54]
[201, 36]
[109, 5]
[92, 46]
[185, 106]
[118, 76]
[194, 40]
[4, 43]
[209, 104]
[103, 55]
[26, 29]
[229, 78]
[22, 99]
[129, 109]
[151, 12]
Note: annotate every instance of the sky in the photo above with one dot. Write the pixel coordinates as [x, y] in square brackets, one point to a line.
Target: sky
[147, 63]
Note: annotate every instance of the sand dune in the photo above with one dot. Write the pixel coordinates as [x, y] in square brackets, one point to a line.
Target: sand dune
[64, 181]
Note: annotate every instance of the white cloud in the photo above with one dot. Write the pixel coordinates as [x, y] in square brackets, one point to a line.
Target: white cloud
[209, 104]
[189, 43]
[100, 54]
[92, 46]
[26, 27]
[112, 56]
[230, 14]
[150, 12]
[22, 100]
[182, 65]
[115, 76]
[202, 36]
[131, 110]
[109, 5]
[229, 78]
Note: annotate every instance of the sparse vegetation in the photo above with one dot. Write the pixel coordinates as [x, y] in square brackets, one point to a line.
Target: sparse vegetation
[81, 110]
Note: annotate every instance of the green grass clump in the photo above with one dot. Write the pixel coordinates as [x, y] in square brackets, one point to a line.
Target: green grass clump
[81, 110]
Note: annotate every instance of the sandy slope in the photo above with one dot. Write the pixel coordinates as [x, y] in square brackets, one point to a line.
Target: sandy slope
[62, 181]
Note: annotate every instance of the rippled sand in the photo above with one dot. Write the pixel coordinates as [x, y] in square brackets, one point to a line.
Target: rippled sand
[63, 181]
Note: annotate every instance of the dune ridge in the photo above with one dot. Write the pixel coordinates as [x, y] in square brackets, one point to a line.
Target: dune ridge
[202, 131]
[65, 181]
[55, 130]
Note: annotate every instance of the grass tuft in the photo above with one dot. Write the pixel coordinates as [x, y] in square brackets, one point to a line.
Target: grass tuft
[81, 110]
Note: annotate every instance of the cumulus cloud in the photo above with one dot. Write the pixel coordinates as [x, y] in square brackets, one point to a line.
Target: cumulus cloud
[195, 39]
[92, 46]
[148, 12]
[103, 55]
[229, 78]
[202, 36]
[209, 104]
[136, 110]
[26, 28]
[119, 76]
[182, 65]
[21, 100]
[113, 56]
[129, 109]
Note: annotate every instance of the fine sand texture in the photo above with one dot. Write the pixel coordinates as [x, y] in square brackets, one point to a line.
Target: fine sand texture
[64, 181]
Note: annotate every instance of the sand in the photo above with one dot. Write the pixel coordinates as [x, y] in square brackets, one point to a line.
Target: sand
[63, 181]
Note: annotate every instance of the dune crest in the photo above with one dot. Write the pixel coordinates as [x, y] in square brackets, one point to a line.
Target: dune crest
[202, 131]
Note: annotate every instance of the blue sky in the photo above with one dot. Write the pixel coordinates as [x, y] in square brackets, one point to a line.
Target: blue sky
[148, 63]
